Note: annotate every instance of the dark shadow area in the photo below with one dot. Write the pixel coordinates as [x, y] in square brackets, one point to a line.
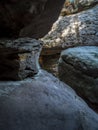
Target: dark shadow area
[28, 18]
[9, 67]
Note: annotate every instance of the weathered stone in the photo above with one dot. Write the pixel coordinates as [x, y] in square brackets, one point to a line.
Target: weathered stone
[19, 58]
[43, 103]
[73, 30]
[74, 6]
[78, 67]
[50, 63]
[30, 18]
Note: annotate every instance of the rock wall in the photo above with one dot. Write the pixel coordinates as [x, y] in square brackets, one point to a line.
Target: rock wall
[40, 100]
[73, 30]
[19, 58]
[74, 6]
[78, 67]
[28, 18]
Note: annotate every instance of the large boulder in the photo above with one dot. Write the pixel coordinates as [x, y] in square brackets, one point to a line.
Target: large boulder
[78, 67]
[43, 103]
[30, 18]
[19, 58]
[73, 30]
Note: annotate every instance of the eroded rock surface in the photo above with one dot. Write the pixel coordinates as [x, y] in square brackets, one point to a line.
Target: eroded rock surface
[78, 67]
[74, 6]
[73, 30]
[19, 58]
[43, 103]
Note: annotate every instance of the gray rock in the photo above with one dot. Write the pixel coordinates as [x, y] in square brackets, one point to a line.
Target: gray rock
[78, 67]
[73, 30]
[43, 103]
[19, 58]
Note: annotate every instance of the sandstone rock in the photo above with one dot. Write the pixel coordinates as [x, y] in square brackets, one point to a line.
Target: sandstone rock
[28, 17]
[74, 6]
[19, 58]
[50, 63]
[43, 103]
[78, 67]
[74, 30]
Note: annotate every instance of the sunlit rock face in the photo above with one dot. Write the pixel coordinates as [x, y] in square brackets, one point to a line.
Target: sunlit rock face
[19, 58]
[74, 6]
[32, 18]
[74, 30]
[78, 67]
[43, 103]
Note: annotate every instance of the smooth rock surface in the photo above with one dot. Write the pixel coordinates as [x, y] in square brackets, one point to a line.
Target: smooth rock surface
[73, 30]
[43, 103]
[78, 67]
[19, 58]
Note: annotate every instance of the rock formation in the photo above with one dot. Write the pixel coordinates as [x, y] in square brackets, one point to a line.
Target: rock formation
[78, 67]
[43, 103]
[74, 6]
[19, 58]
[36, 100]
[40, 101]
[29, 18]
[73, 30]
